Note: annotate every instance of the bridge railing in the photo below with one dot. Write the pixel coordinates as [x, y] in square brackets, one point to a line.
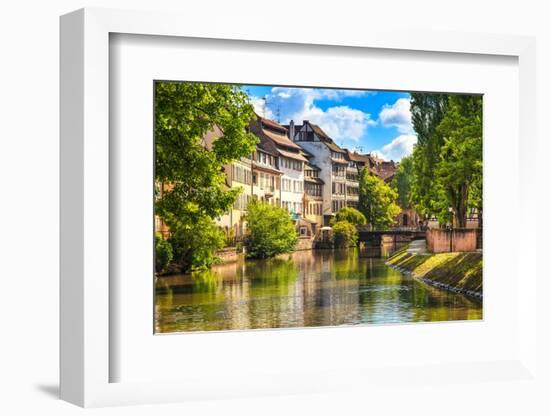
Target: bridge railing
[366, 228]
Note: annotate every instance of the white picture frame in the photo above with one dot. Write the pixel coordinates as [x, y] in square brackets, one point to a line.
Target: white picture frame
[86, 356]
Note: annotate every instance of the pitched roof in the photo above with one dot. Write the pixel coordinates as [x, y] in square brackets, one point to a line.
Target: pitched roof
[269, 129]
[211, 136]
[385, 170]
[358, 157]
[292, 155]
[325, 138]
[280, 139]
[274, 125]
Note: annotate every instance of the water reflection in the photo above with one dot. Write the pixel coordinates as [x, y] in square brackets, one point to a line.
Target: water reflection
[308, 288]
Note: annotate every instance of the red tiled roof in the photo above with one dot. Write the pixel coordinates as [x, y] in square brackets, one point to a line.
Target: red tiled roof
[385, 170]
[272, 131]
[272, 124]
[358, 157]
[280, 139]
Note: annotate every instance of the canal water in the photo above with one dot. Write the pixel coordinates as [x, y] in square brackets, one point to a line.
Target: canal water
[303, 289]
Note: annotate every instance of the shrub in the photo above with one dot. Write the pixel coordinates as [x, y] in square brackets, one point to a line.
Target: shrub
[350, 215]
[195, 244]
[344, 234]
[271, 230]
[163, 253]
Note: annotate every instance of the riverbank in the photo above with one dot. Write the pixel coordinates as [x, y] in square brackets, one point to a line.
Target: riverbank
[296, 290]
[457, 272]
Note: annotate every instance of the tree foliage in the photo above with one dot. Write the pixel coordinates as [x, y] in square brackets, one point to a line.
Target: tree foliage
[460, 166]
[447, 160]
[403, 181]
[184, 113]
[271, 230]
[199, 128]
[163, 253]
[377, 201]
[195, 245]
[427, 111]
[350, 215]
[344, 234]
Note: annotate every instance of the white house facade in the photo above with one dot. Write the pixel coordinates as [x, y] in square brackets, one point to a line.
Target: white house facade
[331, 161]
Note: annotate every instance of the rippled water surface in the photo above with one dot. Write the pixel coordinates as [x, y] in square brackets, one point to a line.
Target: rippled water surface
[303, 289]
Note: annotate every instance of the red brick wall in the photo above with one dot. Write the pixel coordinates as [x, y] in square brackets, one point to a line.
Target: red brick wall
[444, 241]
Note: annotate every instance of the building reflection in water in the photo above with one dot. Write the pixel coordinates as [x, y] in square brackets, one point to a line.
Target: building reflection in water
[302, 289]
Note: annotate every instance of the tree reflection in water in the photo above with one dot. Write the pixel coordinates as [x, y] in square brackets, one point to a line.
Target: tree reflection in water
[307, 288]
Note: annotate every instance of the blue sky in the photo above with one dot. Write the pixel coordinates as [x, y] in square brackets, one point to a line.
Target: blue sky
[366, 121]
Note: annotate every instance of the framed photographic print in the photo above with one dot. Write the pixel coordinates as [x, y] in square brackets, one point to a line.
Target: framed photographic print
[264, 222]
[282, 198]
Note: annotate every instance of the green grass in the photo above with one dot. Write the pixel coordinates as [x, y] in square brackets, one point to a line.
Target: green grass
[461, 270]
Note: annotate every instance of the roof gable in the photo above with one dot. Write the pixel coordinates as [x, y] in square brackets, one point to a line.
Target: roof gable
[323, 137]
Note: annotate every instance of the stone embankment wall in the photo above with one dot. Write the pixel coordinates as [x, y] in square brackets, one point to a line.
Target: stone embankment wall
[457, 272]
[446, 241]
[304, 243]
[227, 255]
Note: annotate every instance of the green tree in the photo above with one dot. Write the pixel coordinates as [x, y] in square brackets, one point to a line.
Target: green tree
[377, 201]
[447, 160]
[195, 245]
[163, 253]
[344, 234]
[271, 230]
[199, 128]
[402, 182]
[427, 111]
[350, 215]
[460, 168]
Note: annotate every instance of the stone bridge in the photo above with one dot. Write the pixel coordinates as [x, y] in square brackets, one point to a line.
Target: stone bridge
[397, 235]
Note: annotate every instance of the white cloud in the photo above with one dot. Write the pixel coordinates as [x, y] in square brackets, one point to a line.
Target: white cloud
[342, 123]
[398, 148]
[260, 107]
[397, 115]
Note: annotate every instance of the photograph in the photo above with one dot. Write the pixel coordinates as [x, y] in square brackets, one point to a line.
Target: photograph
[297, 206]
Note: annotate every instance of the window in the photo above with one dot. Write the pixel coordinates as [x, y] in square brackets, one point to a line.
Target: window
[338, 188]
[287, 184]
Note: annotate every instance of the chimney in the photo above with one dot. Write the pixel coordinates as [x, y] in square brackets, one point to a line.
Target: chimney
[291, 130]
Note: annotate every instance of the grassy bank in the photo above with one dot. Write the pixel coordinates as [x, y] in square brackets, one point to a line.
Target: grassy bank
[458, 270]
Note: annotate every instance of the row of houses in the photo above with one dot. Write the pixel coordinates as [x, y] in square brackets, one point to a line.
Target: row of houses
[298, 167]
